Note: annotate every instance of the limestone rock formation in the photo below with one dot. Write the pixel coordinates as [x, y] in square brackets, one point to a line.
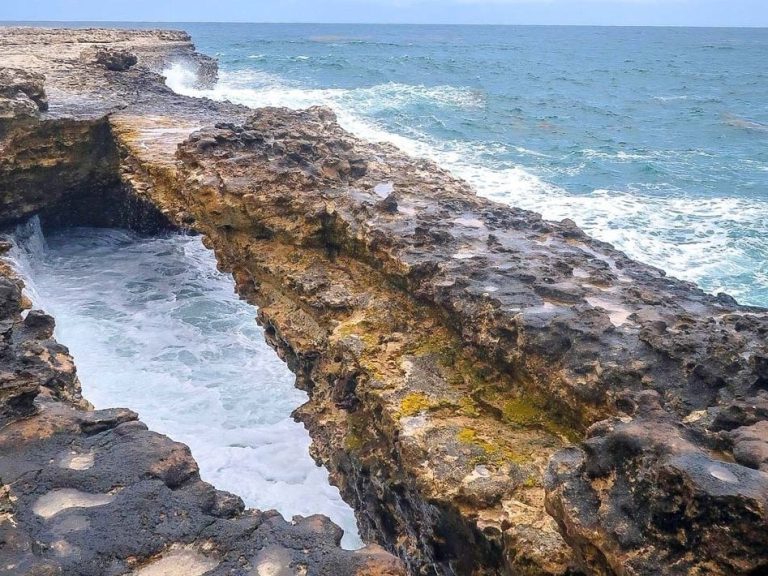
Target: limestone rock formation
[22, 94]
[493, 392]
[30, 358]
[644, 496]
[116, 60]
[534, 332]
[15, 82]
[96, 493]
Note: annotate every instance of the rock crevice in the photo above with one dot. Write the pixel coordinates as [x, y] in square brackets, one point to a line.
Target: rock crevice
[94, 492]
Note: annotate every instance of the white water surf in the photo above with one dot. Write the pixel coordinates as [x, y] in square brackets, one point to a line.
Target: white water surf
[153, 326]
[715, 242]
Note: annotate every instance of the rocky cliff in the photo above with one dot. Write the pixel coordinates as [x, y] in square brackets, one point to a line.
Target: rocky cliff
[86, 492]
[494, 393]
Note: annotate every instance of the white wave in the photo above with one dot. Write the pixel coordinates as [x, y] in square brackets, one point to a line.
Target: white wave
[522, 150]
[27, 245]
[257, 88]
[670, 98]
[180, 78]
[620, 155]
[394, 95]
[693, 239]
[154, 326]
[689, 238]
[744, 123]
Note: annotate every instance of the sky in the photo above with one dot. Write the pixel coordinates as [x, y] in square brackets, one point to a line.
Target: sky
[594, 12]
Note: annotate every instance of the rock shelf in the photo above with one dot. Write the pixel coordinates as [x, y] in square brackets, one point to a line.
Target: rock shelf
[494, 393]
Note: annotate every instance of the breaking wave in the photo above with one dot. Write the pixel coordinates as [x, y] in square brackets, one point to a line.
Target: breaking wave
[716, 242]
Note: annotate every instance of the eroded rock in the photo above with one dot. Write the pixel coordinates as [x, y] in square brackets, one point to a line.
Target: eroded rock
[116, 60]
[644, 496]
[542, 332]
[30, 359]
[22, 90]
[129, 500]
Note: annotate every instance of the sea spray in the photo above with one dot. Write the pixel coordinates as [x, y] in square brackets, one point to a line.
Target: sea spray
[28, 245]
[153, 326]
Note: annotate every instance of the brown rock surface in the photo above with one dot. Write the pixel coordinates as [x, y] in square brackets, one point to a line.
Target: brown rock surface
[462, 343]
[652, 495]
[21, 94]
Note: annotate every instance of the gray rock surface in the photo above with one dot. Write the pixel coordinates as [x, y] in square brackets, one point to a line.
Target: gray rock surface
[97, 494]
[116, 60]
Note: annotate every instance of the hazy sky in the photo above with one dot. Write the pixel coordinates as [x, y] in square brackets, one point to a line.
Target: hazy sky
[621, 12]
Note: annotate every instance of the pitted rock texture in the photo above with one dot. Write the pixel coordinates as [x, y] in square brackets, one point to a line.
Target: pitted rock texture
[21, 94]
[574, 318]
[425, 319]
[651, 495]
[30, 358]
[430, 442]
[97, 494]
[116, 60]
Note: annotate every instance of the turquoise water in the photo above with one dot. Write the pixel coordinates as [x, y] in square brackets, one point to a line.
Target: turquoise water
[654, 139]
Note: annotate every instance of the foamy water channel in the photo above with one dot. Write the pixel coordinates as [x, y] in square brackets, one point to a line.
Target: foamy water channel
[153, 326]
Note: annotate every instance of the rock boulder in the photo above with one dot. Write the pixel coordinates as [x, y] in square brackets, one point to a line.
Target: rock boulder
[115, 60]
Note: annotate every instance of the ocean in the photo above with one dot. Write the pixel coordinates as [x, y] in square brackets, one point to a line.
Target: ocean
[653, 139]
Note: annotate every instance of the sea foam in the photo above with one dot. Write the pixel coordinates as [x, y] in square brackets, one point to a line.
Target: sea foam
[153, 326]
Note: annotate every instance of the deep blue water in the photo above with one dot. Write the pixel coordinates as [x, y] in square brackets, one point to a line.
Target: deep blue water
[654, 139]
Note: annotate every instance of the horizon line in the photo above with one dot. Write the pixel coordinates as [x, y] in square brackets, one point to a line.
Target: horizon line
[244, 22]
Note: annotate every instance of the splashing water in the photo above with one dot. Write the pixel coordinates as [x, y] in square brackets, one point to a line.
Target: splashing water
[648, 138]
[153, 326]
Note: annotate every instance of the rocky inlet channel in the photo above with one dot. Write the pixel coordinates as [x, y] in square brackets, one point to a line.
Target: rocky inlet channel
[492, 393]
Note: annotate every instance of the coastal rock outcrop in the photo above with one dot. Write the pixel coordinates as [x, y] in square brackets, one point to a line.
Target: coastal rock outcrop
[644, 496]
[493, 392]
[474, 341]
[30, 358]
[22, 94]
[116, 60]
[94, 492]
[15, 83]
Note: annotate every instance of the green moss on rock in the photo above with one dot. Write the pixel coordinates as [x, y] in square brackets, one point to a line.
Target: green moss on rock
[414, 403]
